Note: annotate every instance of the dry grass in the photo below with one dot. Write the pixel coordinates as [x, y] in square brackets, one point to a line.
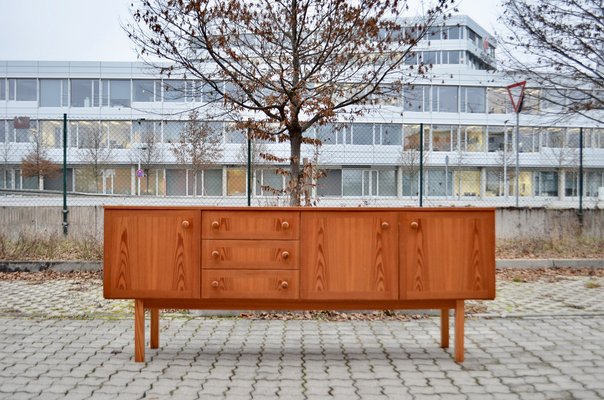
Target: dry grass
[571, 247]
[37, 247]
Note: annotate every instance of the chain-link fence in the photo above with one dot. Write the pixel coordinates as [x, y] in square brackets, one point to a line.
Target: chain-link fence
[192, 162]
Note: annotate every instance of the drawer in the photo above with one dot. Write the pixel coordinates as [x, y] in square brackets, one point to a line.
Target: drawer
[249, 284]
[249, 254]
[250, 224]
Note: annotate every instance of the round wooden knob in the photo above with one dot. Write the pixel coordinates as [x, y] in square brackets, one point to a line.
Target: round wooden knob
[215, 224]
[284, 285]
[414, 225]
[215, 254]
[385, 225]
[215, 284]
[185, 224]
[285, 255]
[285, 225]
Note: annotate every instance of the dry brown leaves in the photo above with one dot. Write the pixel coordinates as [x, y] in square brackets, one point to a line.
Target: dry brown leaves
[546, 274]
[40, 277]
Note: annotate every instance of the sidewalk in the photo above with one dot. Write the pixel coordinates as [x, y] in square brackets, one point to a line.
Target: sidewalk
[540, 339]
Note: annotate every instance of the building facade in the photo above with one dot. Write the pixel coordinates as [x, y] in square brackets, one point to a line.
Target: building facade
[124, 123]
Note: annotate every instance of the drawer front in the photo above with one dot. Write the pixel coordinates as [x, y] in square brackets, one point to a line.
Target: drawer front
[249, 284]
[250, 225]
[249, 254]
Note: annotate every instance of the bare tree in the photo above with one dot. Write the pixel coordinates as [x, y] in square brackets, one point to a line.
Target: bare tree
[96, 154]
[559, 45]
[36, 162]
[198, 147]
[292, 64]
[148, 153]
[7, 152]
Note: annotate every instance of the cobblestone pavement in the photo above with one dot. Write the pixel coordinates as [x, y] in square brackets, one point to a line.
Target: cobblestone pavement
[83, 298]
[539, 340]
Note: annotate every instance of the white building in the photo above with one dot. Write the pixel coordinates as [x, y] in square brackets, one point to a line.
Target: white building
[123, 117]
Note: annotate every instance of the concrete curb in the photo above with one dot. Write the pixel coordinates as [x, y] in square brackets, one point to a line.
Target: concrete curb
[70, 266]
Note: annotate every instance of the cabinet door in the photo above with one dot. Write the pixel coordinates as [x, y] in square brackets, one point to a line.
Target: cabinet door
[447, 255]
[349, 255]
[152, 254]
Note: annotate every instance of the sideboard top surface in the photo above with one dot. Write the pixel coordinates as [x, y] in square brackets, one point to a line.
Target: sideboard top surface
[307, 209]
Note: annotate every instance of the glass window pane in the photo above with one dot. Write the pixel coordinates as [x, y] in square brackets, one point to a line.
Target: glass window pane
[436, 182]
[2, 89]
[352, 182]
[212, 182]
[441, 138]
[448, 100]
[413, 97]
[176, 182]
[392, 134]
[174, 91]
[173, 130]
[27, 90]
[52, 133]
[50, 93]
[454, 32]
[476, 99]
[331, 183]
[326, 134]
[387, 183]
[362, 134]
[143, 90]
[81, 93]
[236, 182]
[118, 133]
[119, 93]
[499, 101]
[3, 135]
[474, 138]
[271, 182]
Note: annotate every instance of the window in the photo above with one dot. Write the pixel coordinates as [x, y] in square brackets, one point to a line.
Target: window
[146, 132]
[438, 182]
[90, 136]
[84, 93]
[553, 99]
[433, 33]
[528, 140]
[236, 182]
[454, 33]
[454, 57]
[2, 89]
[466, 183]
[118, 133]
[552, 137]
[176, 182]
[473, 99]
[412, 135]
[268, 182]
[445, 99]
[173, 131]
[327, 134]
[209, 94]
[499, 138]
[416, 98]
[23, 89]
[362, 134]
[212, 182]
[234, 135]
[194, 91]
[430, 57]
[472, 138]
[331, 183]
[494, 184]
[368, 182]
[3, 132]
[573, 140]
[443, 137]
[116, 93]
[546, 183]
[410, 181]
[54, 93]
[25, 134]
[52, 133]
[174, 91]
[391, 134]
[498, 101]
[143, 90]
[593, 181]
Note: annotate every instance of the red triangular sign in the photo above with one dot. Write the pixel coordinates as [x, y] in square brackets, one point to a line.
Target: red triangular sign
[516, 93]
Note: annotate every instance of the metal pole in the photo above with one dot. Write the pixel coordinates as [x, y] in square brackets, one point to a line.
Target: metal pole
[517, 158]
[581, 174]
[421, 165]
[249, 168]
[65, 211]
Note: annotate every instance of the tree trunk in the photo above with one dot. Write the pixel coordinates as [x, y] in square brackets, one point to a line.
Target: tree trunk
[296, 178]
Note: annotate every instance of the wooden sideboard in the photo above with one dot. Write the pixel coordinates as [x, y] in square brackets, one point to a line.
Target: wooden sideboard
[298, 259]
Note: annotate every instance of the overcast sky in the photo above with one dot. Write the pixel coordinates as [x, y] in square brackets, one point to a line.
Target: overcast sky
[90, 30]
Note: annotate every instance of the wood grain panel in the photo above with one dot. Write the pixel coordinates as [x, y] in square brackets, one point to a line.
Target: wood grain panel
[152, 254]
[349, 255]
[250, 284]
[448, 255]
[249, 254]
[250, 224]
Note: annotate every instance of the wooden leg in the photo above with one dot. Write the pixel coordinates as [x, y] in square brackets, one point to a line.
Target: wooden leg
[459, 330]
[139, 331]
[444, 328]
[154, 328]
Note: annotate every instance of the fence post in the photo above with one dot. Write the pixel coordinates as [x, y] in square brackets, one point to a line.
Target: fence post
[581, 176]
[65, 211]
[249, 167]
